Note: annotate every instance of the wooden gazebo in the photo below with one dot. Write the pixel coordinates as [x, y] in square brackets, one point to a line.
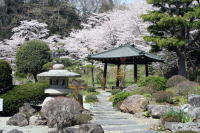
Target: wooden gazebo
[125, 55]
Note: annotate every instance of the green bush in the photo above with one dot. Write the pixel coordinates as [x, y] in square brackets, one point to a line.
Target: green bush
[31, 57]
[27, 93]
[120, 97]
[175, 116]
[20, 75]
[159, 82]
[187, 87]
[174, 80]
[91, 99]
[163, 96]
[67, 62]
[180, 100]
[47, 66]
[5, 76]
[115, 91]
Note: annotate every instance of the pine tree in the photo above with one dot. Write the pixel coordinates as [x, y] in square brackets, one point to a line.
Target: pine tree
[175, 26]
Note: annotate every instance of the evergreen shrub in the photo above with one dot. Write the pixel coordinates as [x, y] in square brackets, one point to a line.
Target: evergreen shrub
[159, 82]
[28, 93]
[5, 76]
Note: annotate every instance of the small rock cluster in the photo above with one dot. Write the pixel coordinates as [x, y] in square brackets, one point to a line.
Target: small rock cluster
[60, 113]
[139, 105]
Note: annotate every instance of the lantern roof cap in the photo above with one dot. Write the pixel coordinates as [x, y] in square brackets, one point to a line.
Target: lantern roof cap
[58, 71]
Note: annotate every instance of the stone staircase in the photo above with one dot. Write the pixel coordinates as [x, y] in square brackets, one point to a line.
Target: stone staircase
[112, 120]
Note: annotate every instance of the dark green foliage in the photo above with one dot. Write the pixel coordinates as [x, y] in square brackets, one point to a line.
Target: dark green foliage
[59, 15]
[83, 118]
[28, 93]
[47, 66]
[31, 57]
[120, 97]
[91, 99]
[5, 76]
[172, 23]
[163, 96]
[20, 75]
[158, 82]
[174, 80]
[66, 62]
[175, 116]
[91, 89]
[115, 91]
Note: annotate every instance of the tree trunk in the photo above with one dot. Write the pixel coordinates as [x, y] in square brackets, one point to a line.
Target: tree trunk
[35, 77]
[181, 63]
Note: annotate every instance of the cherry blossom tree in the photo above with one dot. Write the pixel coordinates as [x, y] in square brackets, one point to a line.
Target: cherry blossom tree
[108, 30]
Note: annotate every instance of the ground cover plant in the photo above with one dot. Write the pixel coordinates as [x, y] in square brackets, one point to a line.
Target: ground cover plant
[175, 116]
[91, 98]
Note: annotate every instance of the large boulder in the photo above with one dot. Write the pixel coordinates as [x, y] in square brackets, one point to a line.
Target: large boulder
[15, 131]
[177, 127]
[134, 104]
[157, 111]
[131, 88]
[60, 112]
[84, 128]
[194, 100]
[27, 109]
[18, 119]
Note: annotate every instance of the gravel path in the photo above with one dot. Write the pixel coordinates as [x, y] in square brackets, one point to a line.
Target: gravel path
[114, 121]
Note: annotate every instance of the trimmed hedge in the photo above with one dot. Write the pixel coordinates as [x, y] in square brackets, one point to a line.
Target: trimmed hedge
[159, 82]
[5, 76]
[15, 98]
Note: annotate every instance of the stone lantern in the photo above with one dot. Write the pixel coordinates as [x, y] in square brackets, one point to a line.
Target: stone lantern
[58, 81]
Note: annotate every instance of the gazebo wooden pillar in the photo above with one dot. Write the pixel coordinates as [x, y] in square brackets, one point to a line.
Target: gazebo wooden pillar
[117, 75]
[135, 73]
[105, 75]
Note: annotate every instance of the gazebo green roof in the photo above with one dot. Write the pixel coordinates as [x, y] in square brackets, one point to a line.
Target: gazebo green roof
[126, 54]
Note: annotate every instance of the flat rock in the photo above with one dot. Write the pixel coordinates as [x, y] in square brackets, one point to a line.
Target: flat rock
[18, 119]
[84, 128]
[157, 111]
[175, 127]
[15, 131]
[194, 100]
[37, 120]
[134, 104]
